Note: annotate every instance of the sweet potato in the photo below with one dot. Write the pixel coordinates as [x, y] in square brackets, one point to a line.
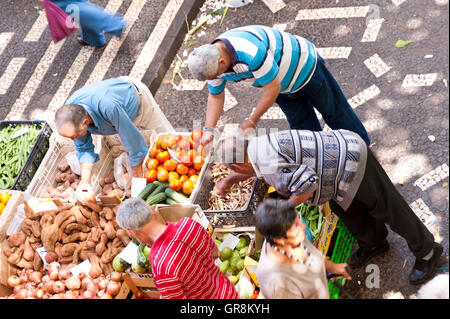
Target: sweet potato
[123, 236]
[28, 252]
[109, 179]
[107, 189]
[17, 239]
[95, 270]
[7, 249]
[103, 222]
[85, 211]
[25, 264]
[75, 227]
[68, 249]
[101, 246]
[95, 219]
[116, 193]
[63, 226]
[79, 217]
[106, 268]
[75, 237]
[37, 262]
[109, 254]
[101, 181]
[51, 257]
[15, 257]
[109, 230]
[95, 234]
[60, 177]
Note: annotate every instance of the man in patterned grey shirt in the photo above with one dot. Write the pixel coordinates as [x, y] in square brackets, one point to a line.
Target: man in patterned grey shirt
[335, 166]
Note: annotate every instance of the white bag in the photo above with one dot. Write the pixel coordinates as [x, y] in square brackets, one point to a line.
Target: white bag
[121, 162]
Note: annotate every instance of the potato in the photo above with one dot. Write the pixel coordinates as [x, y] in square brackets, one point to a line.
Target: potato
[63, 165]
[17, 239]
[116, 192]
[101, 181]
[110, 179]
[107, 189]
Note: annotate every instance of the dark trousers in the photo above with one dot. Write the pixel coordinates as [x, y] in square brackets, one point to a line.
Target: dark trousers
[377, 203]
[322, 92]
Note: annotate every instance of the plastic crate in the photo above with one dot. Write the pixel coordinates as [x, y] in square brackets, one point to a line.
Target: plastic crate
[36, 155]
[59, 148]
[341, 252]
[239, 217]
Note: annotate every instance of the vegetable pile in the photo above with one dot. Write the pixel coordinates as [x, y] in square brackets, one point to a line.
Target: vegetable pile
[313, 217]
[239, 194]
[140, 265]
[232, 261]
[70, 234]
[160, 192]
[59, 283]
[14, 152]
[179, 171]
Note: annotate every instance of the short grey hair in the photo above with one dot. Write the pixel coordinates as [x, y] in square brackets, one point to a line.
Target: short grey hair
[232, 150]
[70, 114]
[133, 214]
[203, 62]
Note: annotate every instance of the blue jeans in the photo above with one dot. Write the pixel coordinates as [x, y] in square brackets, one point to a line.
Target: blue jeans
[322, 92]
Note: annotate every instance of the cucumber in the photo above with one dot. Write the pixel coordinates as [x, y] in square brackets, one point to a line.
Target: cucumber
[155, 199]
[157, 190]
[170, 201]
[158, 183]
[176, 196]
[148, 189]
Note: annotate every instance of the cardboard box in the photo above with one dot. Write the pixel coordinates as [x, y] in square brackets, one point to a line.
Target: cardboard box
[250, 267]
[219, 233]
[8, 212]
[330, 220]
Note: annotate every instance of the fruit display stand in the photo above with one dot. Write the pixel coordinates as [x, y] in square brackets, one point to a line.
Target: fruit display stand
[154, 140]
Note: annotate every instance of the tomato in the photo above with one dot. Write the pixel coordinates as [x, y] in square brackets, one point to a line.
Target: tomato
[193, 179]
[183, 178]
[179, 137]
[191, 171]
[170, 165]
[151, 175]
[186, 160]
[173, 175]
[152, 163]
[191, 142]
[198, 162]
[154, 151]
[175, 185]
[163, 174]
[197, 135]
[184, 144]
[182, 169]
[163, 156]
[4, 198]
[187, 187]
[168, 141]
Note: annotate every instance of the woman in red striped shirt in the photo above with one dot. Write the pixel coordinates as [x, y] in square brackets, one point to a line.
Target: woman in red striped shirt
[182, 254]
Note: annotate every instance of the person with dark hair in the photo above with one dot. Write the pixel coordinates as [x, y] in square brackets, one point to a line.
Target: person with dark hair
[288, 69]
[182, 254]
[123, 106]
[335, 166]
[290, 267]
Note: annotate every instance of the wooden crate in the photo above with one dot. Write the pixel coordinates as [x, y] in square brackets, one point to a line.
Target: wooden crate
[237, 231]
[143, 282]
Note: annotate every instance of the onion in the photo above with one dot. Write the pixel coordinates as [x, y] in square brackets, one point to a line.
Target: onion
[13, 281]
[100, 293]
[50, 257]
[22, 294]
[88, 294]
[17, 289]
[64, 273]
[59, 287]
[23, 277]
[54, 266]
[85, 282]
[46, 296]
[116, 276]
[57, 296]
[29, 272]
[92, 286]
[32, 293]
[70, 295]
[140, 294]
[103, 284]
[35, 277]
[106, 296]
[29, 285]
[53, 274]
[113, 288]
[82, 275]
[73, 283]
[48, 286]
[45, 278]
[40, 293]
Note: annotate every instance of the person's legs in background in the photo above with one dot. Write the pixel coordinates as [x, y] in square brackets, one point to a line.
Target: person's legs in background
[299, 113]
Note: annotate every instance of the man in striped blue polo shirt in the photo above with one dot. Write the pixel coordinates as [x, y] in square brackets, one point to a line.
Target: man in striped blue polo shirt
[288, 68]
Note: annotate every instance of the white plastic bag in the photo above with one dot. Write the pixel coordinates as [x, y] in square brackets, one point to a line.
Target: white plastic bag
[72, 160]
[238, 3]
[121, 162]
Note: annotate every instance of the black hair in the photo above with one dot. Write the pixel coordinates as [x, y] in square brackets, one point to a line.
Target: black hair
[274, 218]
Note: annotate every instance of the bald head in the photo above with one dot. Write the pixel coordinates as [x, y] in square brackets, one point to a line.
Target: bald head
[71, 120]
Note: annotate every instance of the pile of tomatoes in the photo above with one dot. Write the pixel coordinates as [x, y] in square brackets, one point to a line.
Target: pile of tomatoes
[180, 176]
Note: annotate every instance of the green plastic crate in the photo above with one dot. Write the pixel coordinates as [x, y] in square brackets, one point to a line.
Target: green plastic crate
[341, 253]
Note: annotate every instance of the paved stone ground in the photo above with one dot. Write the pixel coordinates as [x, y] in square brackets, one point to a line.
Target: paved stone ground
[400, 94]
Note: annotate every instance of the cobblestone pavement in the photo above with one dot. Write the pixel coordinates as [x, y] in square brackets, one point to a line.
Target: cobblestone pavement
[400, 94]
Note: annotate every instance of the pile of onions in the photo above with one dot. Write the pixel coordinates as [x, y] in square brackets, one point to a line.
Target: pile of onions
[59, 283]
